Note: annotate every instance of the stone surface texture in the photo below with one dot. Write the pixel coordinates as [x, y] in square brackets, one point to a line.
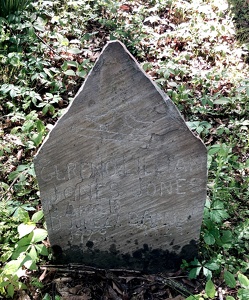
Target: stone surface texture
[122, 178]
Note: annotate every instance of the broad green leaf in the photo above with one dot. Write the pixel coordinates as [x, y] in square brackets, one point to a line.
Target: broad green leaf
[207, 273]
[29, 263]
[26, 240]
[191, 298]
[10, 290]
[227, 236]
[41, 249]
[3, 283]
[214, 149]
[21, 168]
[209, 238]
[229, 298]
[37, 138]
[37, 216]
[33, 253]
[244, 281]
[71, 63]
[5, 256]
[24, 229]
[13, 175]
[212, 266]
[223, 100]
[47, 71]
[13, 93]
[74, 50]
[70, 72]
[39, 235]
[39, 27]
[172, 84]
[46, 297]
[40, 126]
[81, 73]
[194, 272]
[210, 289]
[45, 109]
[245, 123]
[31, 171]
[12, 266]
[243, 294]
[20, 250]
[229, 279]
[195, 263]
[27, 207]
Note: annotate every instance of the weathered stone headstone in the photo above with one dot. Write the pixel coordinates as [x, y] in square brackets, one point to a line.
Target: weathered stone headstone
[122, 179]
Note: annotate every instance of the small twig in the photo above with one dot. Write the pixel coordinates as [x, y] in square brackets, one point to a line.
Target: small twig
[175, 286]
[66, 270]
[12, 183]
[48, 46]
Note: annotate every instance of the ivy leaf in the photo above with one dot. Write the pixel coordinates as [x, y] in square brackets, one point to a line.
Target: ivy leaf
[229, 279]
[210, 289]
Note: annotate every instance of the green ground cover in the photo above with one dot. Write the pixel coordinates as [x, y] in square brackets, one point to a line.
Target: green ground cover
[197, 52]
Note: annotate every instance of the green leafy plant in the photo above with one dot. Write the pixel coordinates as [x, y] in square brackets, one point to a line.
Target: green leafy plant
[209, 293]
[11, 6]
[23, 252]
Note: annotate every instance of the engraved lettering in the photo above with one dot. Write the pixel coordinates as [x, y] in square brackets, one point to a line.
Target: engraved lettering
[85, 170]
[68, 192]
[151, 189]
[110, 168]
[58, 175]
[114, 189]
[179, 186]
[166, 188]
[71, 170]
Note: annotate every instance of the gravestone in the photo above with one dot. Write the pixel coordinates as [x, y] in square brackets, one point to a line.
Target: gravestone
[122, 178]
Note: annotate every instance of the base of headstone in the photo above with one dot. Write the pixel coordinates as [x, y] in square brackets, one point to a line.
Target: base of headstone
[144, 259]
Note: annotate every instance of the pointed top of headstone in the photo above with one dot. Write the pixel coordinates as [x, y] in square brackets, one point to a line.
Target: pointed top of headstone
[122, 178]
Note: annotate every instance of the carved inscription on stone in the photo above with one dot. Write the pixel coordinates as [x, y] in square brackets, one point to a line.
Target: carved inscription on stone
[120, 168]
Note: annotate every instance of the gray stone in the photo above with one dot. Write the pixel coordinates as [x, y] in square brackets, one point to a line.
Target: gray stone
[122, 178]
